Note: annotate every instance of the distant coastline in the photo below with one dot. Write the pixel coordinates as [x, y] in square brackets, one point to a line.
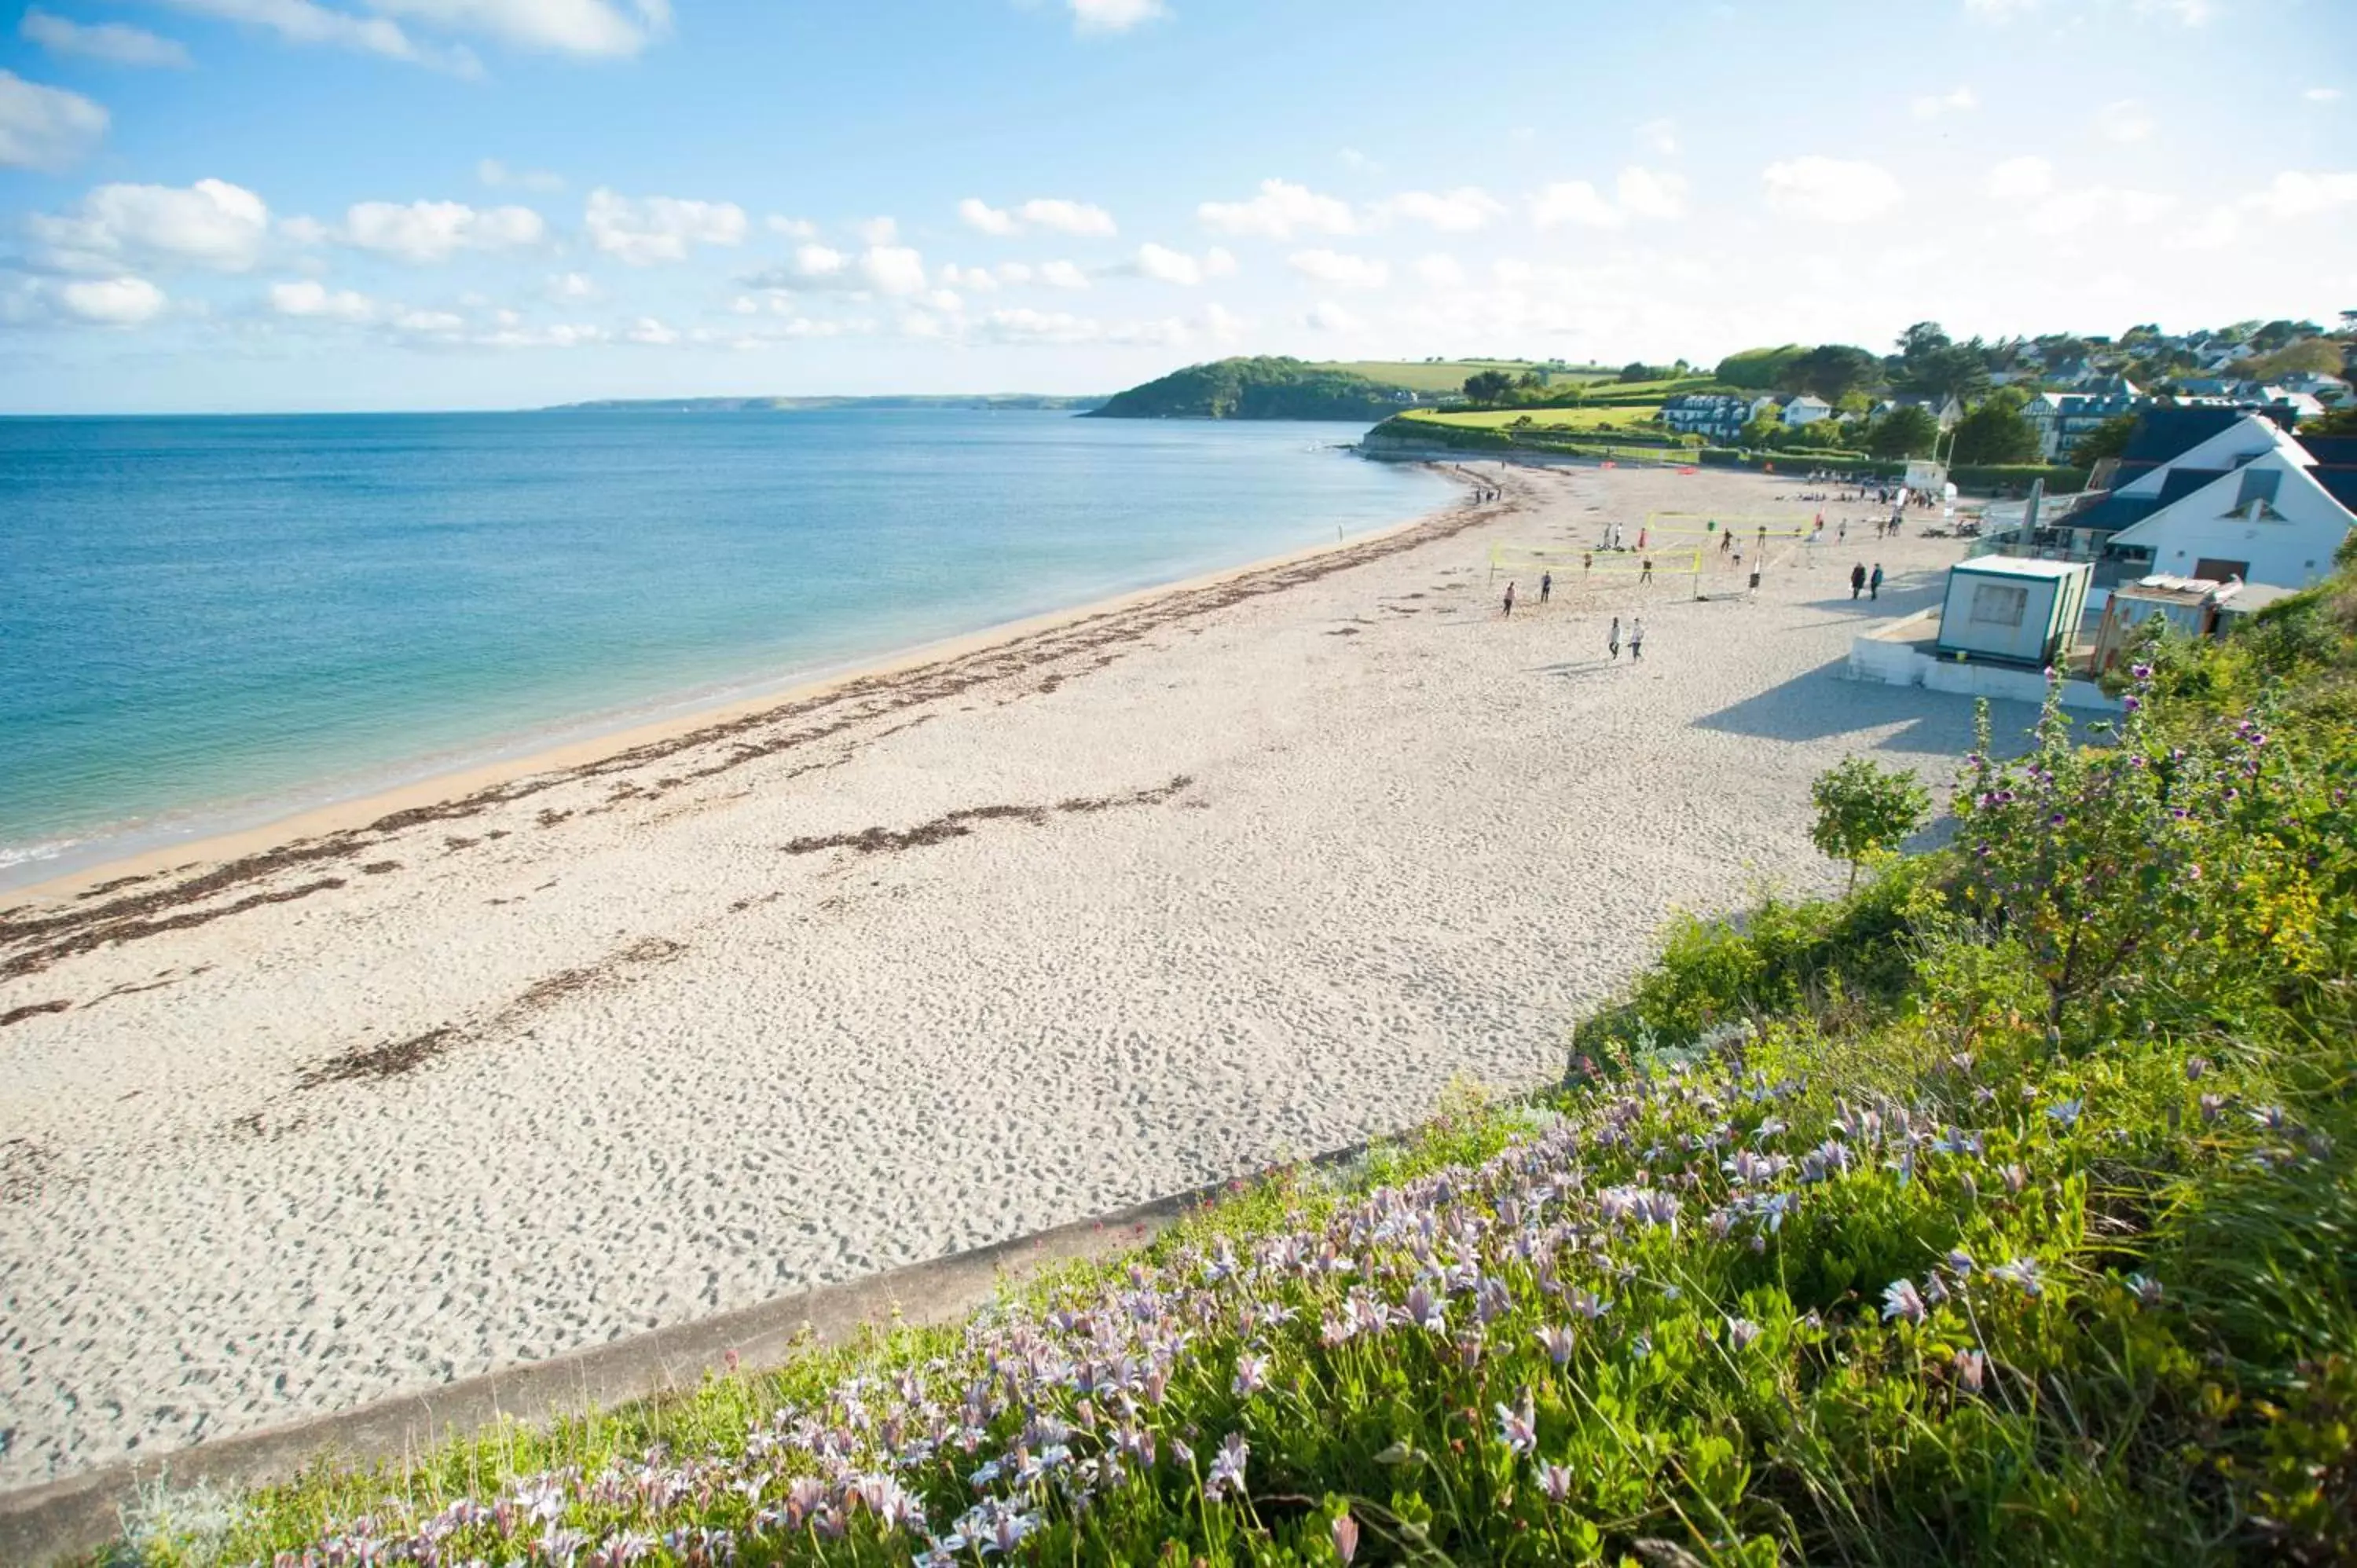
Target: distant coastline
[1031, 402]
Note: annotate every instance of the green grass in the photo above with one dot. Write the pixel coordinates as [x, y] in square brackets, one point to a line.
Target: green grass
[2005, 1212]
[1583, 420]
[1448, 375]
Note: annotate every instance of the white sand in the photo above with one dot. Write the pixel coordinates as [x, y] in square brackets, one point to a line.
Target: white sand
[688, 1068]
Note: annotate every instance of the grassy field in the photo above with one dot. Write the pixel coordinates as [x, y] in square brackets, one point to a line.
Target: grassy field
[1578, 419]
[1448, 375]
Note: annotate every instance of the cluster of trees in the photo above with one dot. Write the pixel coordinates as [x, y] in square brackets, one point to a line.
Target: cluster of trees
[1260, 388]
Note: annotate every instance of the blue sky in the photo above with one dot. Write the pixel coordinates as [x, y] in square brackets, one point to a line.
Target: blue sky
[212, 205]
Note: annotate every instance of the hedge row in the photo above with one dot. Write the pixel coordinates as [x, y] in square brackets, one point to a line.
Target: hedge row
[2059, 480]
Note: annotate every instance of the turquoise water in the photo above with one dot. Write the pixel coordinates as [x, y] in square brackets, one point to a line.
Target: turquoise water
[210, 622]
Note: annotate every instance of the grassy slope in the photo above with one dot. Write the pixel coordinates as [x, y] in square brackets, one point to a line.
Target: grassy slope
[1448, 375]
[2002, 1213]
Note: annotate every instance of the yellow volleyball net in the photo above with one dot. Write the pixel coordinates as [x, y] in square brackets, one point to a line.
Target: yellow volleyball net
[1573, 566]
[1709, 525]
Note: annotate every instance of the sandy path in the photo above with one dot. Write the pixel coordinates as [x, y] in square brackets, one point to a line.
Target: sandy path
[1140, 904]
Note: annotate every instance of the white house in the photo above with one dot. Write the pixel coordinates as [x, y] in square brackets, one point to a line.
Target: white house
[2266, 522]
[1807, 409]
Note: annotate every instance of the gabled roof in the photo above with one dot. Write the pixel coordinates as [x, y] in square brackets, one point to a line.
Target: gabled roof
[2216, 499]
[2235, 441]
[2336, 466]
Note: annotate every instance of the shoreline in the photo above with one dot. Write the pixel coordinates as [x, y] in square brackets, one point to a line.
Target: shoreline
[359, 812]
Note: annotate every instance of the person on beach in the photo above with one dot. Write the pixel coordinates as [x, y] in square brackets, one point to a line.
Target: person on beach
[1510, 598]
[1841, 534]
[1755, 583]
[1857, 579]
[1646, 573]
[1738, 557]
[1874, 583]
[1725, 540]
[1763, 538]
[1636, 639]
[1612, 639]
[1587, 563]
[1547, 586]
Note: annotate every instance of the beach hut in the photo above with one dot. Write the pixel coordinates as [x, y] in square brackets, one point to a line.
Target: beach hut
[2002, 610]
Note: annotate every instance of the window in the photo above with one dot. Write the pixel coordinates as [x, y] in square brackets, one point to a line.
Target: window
[1995, 604]
[2212, 570]
[2258, 485]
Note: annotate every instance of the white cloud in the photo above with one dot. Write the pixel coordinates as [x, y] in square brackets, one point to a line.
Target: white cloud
[1574, 201]
[1328, 316]
[660, 228]
[426, 231]
[1352, 158]
[1115, 16]
[45, 127]
[1279, 211]
[495, 174]
[1457, 211]
[2066, 211]
[1440, 271]
[1340, 269]
[973, 280]
[1831, 190]
[587, 28]
[1016, 273]
[2293, 194]
[1659, 137]
[571, 287]
[2191, 13]
[1647, 194]
[979, 214]
[1063, 275]
[310, 298]
[650, 332]
[430, 323]
[2020, 180]
[1056, 213]
[1930, 106]
[2123, 121]
[112, 301]
[1222, 325]
[893, 269]
[210, 224]
[792, 227]
[2322, 95]
[1065, 217]
[114, 42]
[303, 22]
[1166, 265]
[2000, 10]
[876, 231]
[1021, 325]
[817, 262]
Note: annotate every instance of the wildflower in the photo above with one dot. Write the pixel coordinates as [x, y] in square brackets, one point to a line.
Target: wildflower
[1740, 1333]
[2147, 1290]
[1960, 1262]
[2211, 1104]
[1558, 1343]
[1555, 1480]
[1251, 1375]
[1971, 1366]
[2195, 1067]
[1586, 1305]
[1344, 1533]
[2021, 1271]
[2066, 1111]
[1518, 1429]
[1227, 1467]
[1425, 1311]
[1007, 1530]
[2016, 1178]
[1900, 1299]
[1641, 1346]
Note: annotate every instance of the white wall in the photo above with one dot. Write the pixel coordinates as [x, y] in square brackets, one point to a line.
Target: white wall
[2291, 552]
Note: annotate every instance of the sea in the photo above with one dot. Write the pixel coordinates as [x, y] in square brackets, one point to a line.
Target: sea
[207, 624]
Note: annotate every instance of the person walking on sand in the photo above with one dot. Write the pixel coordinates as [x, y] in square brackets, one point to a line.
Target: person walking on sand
[1725, 540]
[1874, 583]
[1587, 563]
[1857, 579]
[1636, 639]
[1841, 534]
[1510, 598]
[1613, 640]
[1645, 575]
[1547, 586]
[1755, 583]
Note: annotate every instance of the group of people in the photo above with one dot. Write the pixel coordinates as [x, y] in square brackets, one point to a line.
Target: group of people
[1859, 579]
[1636, 623]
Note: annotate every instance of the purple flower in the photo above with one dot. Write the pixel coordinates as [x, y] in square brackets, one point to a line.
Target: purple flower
[1227, 1467]
[1740, 1333]
[1425, 1311]
[1344, 1533]
[1558, 1343]
[1555, 1480]
[2021, 1271]
[1517, 1428]
[1900, 1299]
[1971, 1366]
[1251, 1375]
[2147, 1290]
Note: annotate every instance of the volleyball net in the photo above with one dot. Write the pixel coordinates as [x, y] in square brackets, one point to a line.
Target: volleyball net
[1573, 565]
[1709, 525]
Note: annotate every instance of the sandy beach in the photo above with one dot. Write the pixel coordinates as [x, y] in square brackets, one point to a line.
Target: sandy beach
[1022, 931]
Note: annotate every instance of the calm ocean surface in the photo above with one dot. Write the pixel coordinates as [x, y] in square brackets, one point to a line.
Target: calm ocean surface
[206, 623]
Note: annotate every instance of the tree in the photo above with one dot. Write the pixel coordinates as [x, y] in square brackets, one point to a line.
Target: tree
[2109, 439]
[1995, 433]
[1908, 432]
[2322, 355]
[2276, 334]
[1757, 369]
[1638, 370]
[1956, 371]
[1864, 811]
[1924, 337]
[1832, 371]
[1488, 387]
